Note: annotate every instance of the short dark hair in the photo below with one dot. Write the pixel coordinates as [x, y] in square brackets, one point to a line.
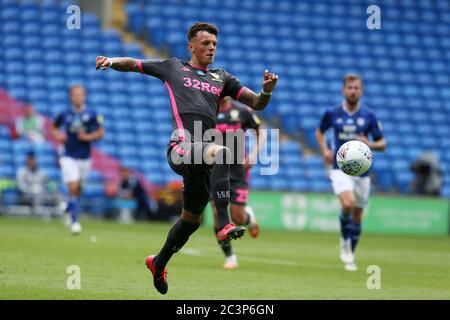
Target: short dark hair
[351, 77]
[201, 26]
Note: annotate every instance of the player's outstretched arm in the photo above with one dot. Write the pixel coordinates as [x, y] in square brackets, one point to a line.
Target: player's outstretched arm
[260, 101]
[119, 64]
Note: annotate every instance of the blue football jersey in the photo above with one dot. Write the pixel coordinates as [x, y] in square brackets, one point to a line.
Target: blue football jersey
[348, 126]
[72, 123]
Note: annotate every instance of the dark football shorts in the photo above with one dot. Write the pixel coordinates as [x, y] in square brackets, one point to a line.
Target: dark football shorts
[186, 159]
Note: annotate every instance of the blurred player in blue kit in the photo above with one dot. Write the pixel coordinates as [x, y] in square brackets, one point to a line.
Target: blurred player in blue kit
[350, 120]
[80, 127]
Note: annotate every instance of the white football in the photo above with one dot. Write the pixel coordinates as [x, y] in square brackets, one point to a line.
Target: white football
[354, 158]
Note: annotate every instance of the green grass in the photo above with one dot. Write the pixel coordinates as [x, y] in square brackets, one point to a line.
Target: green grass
[34, 256]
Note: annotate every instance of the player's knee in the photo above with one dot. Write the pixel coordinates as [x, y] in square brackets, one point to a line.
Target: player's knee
[348, 204]
[74, 188]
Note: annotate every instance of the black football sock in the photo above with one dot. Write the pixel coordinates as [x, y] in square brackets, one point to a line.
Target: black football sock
[226, 248]
[176, 239]
[345, 220]
[220, 185]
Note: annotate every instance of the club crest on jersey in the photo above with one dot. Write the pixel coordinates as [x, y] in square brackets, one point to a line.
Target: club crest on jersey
[215, 77]
[360, 122]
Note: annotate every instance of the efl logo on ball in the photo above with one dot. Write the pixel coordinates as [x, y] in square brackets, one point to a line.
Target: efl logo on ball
[354, 158]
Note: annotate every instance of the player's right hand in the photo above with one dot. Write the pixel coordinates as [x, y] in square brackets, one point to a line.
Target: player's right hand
[102, 62]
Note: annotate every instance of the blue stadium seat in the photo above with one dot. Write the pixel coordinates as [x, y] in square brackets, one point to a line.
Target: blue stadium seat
[7, 171]
[10, 13]
[308, 46]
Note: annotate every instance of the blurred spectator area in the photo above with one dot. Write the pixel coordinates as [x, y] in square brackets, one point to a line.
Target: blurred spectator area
[310, 44]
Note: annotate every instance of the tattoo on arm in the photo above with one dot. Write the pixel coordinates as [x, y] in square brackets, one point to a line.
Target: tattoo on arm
[125, 64]
[253, 100]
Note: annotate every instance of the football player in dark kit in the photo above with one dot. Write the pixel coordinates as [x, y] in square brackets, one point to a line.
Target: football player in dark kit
[195, 91]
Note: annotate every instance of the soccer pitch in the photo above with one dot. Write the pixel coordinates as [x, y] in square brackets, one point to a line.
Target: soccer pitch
[35, 256]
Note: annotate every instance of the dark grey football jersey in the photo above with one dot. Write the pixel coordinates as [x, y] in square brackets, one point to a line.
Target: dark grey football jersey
[194, 92]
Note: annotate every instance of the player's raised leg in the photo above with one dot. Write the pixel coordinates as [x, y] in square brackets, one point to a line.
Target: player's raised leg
[220, 157]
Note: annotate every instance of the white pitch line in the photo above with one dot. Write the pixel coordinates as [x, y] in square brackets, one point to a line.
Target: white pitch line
[271, 261]
[191, 252]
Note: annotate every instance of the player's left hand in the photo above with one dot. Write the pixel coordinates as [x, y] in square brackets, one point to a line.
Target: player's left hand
[270, 81]
[102, 62]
